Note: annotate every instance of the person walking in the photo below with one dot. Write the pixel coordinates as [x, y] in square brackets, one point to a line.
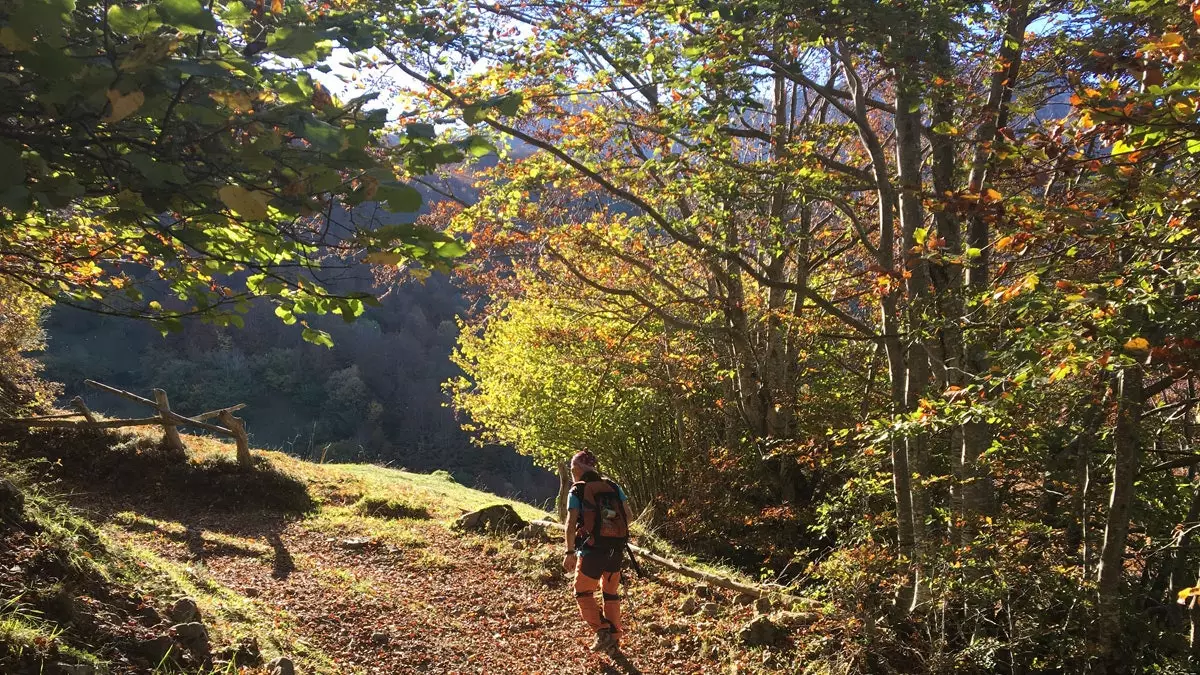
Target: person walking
[598, 520]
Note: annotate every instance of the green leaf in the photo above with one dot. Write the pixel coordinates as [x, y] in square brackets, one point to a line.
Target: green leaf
[188, 16]
[420, 130]
[324, 136]
[285, 314]
[133, 20]
[40, 16]
[450, 250]
[509, 105]
[302, 43]
[317, 337]
[399, 198]
[478, 146]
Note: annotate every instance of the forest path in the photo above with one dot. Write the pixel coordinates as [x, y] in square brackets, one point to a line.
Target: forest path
[363, 594]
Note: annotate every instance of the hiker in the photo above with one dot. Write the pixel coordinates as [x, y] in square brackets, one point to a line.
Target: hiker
[597, 531]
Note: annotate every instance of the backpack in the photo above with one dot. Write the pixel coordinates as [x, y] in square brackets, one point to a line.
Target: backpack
[602, 522]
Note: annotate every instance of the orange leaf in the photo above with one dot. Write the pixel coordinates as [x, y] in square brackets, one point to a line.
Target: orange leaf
[277, 6]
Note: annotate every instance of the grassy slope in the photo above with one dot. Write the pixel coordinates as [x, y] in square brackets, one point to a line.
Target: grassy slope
[138, 542]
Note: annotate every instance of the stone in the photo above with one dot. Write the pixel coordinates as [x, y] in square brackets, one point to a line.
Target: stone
[744, 600]
[12, 500]
[281, 666]
[244, 652]
[518, 545]
[149, 617]
[194, 636]
[762, 605]
[710, 609]
[760, 632]
[688, 606]
[75, 669]
[792, 620]
[189, 632]
[705, 592]
[355, 543]
[532, 533]
[185, 610]
[156, 649]
[380, 637]
[494, 518]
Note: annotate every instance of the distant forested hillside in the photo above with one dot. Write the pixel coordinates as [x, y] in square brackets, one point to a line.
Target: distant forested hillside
[375, 397]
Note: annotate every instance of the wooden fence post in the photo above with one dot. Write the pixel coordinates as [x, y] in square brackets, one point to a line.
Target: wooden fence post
[170, 432]
[238, 428]
[79, 405]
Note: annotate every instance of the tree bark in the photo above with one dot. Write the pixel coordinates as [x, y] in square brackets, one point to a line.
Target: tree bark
[1130, 401]
[564, 487]
[170, 432]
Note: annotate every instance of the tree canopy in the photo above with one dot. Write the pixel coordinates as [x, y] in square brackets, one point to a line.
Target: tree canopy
[190, 145]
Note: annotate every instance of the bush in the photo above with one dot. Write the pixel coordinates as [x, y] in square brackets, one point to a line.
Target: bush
[383, 507]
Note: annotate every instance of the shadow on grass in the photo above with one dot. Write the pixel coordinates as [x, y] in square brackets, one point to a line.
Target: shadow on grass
[135, 467]
[107, 473]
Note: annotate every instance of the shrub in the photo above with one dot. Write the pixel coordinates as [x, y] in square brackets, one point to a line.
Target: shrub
[384, 507]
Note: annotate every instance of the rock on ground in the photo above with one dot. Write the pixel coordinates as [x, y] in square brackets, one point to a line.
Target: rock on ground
[494, 518]
[281, 666]
[761, 632]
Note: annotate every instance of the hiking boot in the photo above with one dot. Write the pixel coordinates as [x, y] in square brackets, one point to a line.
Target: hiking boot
[604, 641]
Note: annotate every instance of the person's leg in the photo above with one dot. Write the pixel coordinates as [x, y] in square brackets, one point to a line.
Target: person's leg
[611, 587]
[585, 595]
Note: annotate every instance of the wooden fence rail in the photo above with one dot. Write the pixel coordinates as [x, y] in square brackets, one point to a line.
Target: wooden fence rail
[751, 590]
[168, 419]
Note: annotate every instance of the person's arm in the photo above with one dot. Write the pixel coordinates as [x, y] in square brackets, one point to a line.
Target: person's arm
[569, 557]
[625, 503]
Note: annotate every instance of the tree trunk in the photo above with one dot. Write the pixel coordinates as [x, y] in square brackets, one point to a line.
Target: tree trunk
[564, 487]
[977, 434]
[1126, 448]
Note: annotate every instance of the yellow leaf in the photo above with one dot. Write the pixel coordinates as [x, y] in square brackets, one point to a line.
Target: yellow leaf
[277, 6]
[992, 195]
[1004, 243]
[251, 205]
[1186, 593]
[1137, 344]
[1172, 40]
[384, 258]
[123, 105]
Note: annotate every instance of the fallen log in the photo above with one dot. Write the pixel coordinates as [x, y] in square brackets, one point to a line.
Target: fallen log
[751, 590]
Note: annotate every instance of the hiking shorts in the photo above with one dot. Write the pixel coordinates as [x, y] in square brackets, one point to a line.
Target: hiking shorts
[596, 562]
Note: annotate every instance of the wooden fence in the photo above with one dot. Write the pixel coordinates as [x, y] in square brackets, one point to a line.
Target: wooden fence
[169, 420]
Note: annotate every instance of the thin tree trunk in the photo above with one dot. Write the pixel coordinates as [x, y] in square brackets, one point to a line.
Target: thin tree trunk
[1130, 402]
[977, 434]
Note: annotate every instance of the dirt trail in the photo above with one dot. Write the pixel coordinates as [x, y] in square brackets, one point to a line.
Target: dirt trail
[446, 604]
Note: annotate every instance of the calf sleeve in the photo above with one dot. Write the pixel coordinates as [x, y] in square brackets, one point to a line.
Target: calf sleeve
[585, 597]
[612, 600]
